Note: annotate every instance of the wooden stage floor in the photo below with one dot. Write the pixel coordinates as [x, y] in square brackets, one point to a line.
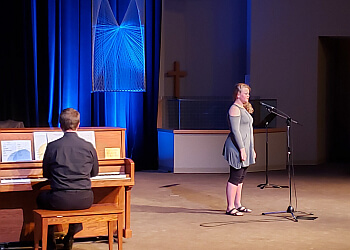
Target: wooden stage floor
[186, 211]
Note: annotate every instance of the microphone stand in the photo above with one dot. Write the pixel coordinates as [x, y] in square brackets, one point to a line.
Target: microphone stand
[289, 121]
[267, 120]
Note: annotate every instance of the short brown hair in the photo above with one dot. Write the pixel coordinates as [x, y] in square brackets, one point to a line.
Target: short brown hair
[69, 119]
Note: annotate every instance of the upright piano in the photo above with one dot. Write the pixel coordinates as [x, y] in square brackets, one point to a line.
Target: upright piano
[21, 182]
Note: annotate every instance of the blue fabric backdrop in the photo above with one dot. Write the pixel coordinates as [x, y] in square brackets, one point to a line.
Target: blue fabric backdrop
[47, 67]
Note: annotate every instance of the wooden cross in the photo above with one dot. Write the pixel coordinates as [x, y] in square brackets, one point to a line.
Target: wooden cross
[176, 73]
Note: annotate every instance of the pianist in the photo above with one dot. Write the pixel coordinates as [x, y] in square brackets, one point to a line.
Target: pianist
[68, 164]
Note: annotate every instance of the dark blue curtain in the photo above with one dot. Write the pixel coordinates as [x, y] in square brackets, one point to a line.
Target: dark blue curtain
[46, 67]
[46, 60]
[153, 29]
[69, 55]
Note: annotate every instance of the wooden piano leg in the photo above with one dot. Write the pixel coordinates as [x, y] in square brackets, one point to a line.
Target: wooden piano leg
[37, 231]
[127, 230]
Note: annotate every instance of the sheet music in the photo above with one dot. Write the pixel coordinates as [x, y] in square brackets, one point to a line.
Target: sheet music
[88, 136]
[53, 136]
[41, 139]
[16, 150]
[40, 143]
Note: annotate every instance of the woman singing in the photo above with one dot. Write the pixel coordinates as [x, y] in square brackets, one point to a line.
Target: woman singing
[239, 148]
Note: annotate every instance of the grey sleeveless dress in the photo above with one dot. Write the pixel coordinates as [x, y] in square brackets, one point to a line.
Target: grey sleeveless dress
[241, 135]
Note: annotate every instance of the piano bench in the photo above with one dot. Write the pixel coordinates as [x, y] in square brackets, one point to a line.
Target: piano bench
[97, 213]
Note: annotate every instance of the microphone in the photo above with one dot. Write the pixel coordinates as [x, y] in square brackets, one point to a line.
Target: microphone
[267, 105]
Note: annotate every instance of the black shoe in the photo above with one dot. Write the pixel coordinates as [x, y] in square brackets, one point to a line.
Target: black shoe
[68, 242]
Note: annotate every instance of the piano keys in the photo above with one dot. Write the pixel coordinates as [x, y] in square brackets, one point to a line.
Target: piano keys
[21, 183]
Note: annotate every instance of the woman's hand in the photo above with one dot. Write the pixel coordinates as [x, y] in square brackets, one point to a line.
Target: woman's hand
[254, 154]
[243, 154]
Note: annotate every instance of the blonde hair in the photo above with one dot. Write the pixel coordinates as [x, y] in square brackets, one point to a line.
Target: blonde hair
[238, 88]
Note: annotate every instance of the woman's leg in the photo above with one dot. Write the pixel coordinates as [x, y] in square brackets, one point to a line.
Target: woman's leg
[231, 191]
[237, 200]
[238, 204]
[242, 172]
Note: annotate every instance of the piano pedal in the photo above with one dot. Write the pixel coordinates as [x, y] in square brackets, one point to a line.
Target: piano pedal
[115, 238]
[59, 235]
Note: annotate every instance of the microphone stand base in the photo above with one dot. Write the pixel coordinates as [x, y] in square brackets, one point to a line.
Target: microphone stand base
[267, 185]
[291, 211]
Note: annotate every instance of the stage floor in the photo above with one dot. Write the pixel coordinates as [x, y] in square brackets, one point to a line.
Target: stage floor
[186, 211]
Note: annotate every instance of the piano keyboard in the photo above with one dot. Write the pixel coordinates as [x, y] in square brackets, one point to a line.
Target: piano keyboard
[21, 180]
[101, 176]
[109, 176]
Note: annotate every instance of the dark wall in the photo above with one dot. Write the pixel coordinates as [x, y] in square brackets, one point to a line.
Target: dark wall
[209, 39]
[285, 59]
[337, 50]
